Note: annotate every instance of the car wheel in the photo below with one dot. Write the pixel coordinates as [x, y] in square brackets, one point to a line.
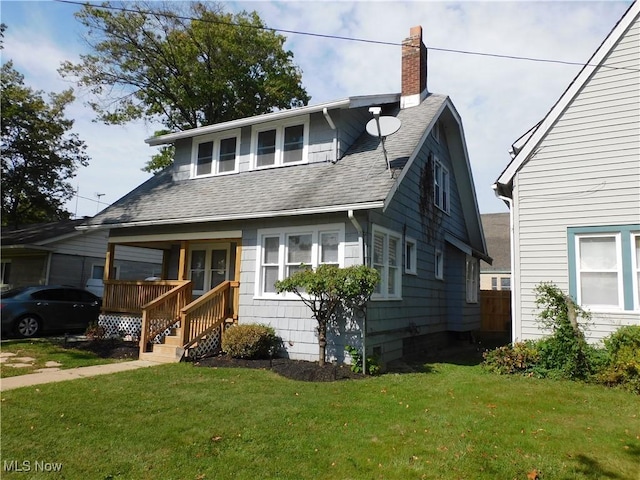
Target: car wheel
[27, 326]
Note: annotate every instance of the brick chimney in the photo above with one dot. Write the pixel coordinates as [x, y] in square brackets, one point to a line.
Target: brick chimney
[414, 69]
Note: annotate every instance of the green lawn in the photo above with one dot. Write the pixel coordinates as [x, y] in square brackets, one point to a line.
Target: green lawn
[455, 422]
[42, 351]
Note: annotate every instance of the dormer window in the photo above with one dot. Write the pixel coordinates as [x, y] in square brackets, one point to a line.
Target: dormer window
[216, 155]
[283, 144]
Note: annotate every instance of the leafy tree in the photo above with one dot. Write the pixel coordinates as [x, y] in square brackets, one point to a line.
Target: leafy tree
[328, 287]
[39, 154]
[186, 65]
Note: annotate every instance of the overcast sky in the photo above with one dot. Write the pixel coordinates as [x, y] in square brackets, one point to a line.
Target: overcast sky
[498, 99]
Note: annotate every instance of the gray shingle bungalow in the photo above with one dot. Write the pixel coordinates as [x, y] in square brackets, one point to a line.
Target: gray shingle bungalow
[247, 201]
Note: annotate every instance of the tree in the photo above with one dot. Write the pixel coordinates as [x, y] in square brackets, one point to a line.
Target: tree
[39, 154]
[186, 65]
[328, 287]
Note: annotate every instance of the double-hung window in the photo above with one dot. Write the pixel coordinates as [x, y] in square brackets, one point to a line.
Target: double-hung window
[282, 252]
[280, 144]
[217, 154]
[604, 267]
[410, 256]
[386, 258]
[472, 279]
[599, 270]
[440, 186]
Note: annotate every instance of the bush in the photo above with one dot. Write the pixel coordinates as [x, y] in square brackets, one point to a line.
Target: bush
[95, 331]
[519, 357]
[623, 362]
[249, 341]
[373, 366]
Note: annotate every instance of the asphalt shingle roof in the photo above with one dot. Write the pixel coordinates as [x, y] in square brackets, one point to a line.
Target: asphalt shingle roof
[496, 233]
[38, 232]
[359, 177]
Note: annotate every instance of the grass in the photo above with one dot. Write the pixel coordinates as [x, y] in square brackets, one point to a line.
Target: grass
[42, 351]
[455, 422]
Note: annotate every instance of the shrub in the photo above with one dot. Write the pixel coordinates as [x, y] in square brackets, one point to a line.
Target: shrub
[623, 362]
[95, 331]
[249, 341]
[565, 353]
[519, 357]
[373, 367]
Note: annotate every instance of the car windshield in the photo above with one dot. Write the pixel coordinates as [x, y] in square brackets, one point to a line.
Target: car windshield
[13, 292]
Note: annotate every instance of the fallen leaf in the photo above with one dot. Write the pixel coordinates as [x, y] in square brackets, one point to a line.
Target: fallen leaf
[533, 475]
[216, 439]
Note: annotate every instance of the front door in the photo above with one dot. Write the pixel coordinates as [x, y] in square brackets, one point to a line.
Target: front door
[208, 266]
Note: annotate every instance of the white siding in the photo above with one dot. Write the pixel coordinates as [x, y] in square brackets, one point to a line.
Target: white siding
[585, 172]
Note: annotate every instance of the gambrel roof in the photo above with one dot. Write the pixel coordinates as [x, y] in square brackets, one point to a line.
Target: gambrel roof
[532, 139]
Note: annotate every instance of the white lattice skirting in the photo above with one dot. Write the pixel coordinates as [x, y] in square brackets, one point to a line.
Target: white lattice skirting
[207, 345]
[121, 326]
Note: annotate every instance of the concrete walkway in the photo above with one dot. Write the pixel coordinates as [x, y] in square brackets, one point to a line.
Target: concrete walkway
[70, 374]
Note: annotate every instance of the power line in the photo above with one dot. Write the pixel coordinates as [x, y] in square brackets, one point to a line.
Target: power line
[339, 37]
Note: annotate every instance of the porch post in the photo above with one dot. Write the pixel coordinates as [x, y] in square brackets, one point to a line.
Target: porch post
[182, 267]
[108, 261]
[236, 291]
[166, 256]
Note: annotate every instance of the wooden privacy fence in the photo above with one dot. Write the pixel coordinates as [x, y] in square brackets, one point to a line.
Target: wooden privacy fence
[495, 310]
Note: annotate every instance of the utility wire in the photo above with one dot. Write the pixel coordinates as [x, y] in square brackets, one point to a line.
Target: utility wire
[338, 37]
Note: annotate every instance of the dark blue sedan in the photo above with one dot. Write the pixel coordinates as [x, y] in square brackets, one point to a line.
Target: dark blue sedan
[30, 311]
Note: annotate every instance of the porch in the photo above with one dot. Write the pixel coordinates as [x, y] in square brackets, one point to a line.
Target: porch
[175, 318]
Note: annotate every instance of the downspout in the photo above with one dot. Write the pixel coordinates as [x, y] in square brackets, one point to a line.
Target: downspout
[512, 241]
[47, 267]
[361, 259]
[329, 120]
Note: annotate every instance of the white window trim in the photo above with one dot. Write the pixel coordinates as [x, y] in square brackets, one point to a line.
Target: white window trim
[282, 234]
[635, 268]
[436, 131]
[438, 263]
[444, 183]
[413, 254]
[208, 249]
[471, 290]
[279, 127]
[384, 295]
[116, 270]
[619, 272]
[215, 138]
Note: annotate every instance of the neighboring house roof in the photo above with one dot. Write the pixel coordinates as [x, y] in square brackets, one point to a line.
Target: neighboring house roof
[496, 228]
[39, 234]
[504, 183]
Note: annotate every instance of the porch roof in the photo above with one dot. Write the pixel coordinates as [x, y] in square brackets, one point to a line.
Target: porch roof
[357, 181]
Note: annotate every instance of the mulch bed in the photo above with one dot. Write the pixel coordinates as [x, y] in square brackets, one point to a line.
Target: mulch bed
[293, 369]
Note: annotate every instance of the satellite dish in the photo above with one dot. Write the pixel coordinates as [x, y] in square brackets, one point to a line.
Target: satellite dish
[388, 126]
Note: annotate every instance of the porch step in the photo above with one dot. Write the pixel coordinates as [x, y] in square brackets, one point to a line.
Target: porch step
[174, 340]
[164, 354]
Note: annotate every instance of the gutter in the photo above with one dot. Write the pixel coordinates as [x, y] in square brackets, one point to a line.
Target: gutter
[238, 216]
[512, 240]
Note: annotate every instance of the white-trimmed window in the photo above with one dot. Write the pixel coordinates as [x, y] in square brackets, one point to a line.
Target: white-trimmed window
[599, 271]
[97, 271]
[635, 248]
[280, 144]
[410, 256]
[281, 252]
[440, 185]
[5, 272]
[215, 154]
[386, 257]
[472, 279]
[436, 131]
[439, 264]
[505, 283]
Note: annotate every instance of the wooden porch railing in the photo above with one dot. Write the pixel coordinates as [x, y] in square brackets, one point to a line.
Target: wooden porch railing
[128, 297]
[208, 312]
[162, 312]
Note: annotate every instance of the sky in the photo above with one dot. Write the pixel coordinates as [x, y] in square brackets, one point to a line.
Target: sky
[498, 99]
